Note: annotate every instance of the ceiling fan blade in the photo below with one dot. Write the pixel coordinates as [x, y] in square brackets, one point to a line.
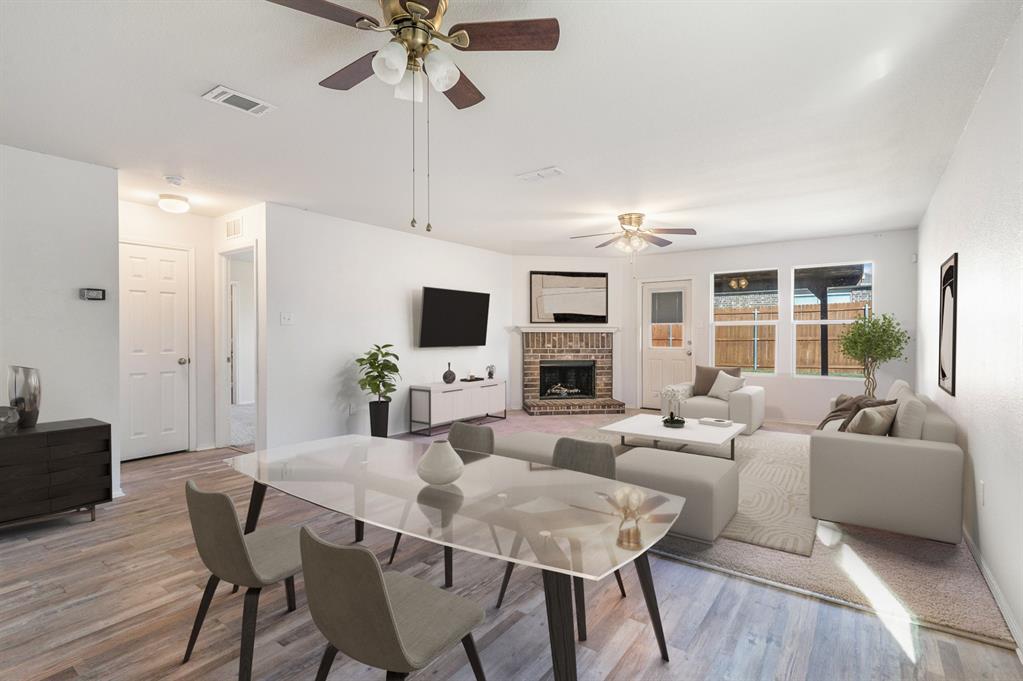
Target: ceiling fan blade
[351, 75]
[608, 242]
[655, 240]
[672, 230]
[587, 236]
[464, 93]
[327, 10]
[524, 34]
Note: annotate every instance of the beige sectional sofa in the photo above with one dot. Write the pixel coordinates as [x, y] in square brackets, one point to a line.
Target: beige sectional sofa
[709, 484]
[911, 482]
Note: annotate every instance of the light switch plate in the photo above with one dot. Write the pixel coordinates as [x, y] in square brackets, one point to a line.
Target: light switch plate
[287, 318]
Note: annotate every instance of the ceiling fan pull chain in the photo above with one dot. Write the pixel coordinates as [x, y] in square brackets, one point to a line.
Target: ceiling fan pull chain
[413, 223]
[429, 226]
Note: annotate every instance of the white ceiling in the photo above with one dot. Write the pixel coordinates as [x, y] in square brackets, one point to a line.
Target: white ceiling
[751, 122]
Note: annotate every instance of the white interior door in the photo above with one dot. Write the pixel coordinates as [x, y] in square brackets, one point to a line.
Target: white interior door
[667, 337]
[154, 350]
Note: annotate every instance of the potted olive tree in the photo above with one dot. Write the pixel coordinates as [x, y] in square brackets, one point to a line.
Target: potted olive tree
[874, 341]
[378, 372]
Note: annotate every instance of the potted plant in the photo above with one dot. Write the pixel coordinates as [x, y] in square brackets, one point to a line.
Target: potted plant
[378, 372]
[874, 341]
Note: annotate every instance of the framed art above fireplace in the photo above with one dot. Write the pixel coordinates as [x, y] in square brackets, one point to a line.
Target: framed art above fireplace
[568, 297]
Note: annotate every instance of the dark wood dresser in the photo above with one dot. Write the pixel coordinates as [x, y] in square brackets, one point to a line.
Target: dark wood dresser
[54, 467]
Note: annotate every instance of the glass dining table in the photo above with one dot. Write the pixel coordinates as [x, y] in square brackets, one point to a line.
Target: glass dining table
[564, 523]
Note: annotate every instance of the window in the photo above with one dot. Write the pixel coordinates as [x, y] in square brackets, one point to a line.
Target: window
[825, 300]
[666, 321]
[745, 320]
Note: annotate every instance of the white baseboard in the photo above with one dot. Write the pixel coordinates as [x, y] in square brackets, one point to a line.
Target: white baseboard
[1014, 626]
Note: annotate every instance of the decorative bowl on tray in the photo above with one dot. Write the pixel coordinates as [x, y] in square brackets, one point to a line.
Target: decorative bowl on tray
[673, 421]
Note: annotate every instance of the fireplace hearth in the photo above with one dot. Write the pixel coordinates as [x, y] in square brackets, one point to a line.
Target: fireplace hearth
[567, 379]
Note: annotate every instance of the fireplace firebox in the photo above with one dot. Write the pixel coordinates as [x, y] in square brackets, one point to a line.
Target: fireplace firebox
[567, 379]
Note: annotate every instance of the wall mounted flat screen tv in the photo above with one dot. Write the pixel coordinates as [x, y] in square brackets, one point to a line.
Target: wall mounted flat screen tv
[452, 318]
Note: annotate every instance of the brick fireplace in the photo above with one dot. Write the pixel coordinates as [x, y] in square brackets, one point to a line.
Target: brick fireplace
[574, 370]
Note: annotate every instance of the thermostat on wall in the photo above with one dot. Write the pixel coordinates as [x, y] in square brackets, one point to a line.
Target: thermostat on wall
[92, 293]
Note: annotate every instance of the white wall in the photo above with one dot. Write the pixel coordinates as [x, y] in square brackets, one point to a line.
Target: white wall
[58, 233]
[977, 211]
[789, 397]
[150, 225]
[349, 285]
[242, 275]
[617, 305]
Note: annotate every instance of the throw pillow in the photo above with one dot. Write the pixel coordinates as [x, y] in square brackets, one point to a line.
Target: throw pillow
[873, 420]
[857, 403]
[909, 419]
[724, 385]
[705, 377]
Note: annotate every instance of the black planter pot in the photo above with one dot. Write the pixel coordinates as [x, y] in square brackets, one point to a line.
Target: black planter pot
[378, 418]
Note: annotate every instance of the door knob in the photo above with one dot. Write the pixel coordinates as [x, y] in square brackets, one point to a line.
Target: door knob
[183, 360]
[689, 352]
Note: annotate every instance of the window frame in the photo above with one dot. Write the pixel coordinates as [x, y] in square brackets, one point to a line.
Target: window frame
[648, 331]
[796, 323]
[714, 323]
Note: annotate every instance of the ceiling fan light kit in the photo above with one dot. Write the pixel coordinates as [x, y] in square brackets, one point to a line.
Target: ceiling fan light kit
[634, 237]
[390, 62]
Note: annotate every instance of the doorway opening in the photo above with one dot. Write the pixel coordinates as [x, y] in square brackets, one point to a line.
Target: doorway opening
[240, 334]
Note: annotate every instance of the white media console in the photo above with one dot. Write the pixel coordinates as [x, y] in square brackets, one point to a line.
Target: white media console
[437, 404]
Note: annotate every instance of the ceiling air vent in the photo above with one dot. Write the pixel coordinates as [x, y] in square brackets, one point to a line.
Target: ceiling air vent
[234, 228]
[541, 174]
[236, 100]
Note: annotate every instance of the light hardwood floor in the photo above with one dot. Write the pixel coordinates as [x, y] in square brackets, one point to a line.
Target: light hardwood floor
[115, 599]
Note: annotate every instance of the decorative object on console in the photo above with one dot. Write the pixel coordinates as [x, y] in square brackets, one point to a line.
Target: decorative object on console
[379, 370]
[947, 324]
[490, 370]
[874, 340]
[568, 297]
[9, 417]
[673, 421]
[441, 464]
[471, 378]
[449, 375]
[25, 391]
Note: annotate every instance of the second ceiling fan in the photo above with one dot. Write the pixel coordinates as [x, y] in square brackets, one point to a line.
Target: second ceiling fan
[416, 27]
[634, 236]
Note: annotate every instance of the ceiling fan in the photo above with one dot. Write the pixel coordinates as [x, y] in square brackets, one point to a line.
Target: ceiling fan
[635, 237]
[416, 27]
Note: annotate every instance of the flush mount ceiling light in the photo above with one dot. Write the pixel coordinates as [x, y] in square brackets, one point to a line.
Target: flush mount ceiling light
[634, 237]
[174, 203]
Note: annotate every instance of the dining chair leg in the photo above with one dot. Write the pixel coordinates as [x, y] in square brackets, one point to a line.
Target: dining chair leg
[504, 583]
[248, 633]
[646, 581]
[396, 676]
[580, 607]
[474, 657]
[325, 662]
[360, 530]
[234, 589]
[394, 549]
[289, 590]
[557, 589]
[204, 606]
[621, 585]
[449, 567]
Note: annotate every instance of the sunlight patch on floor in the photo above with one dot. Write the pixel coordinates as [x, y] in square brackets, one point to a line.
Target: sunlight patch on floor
[892, 613]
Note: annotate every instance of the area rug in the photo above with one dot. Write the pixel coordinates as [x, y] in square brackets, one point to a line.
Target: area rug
[903, 579]
[774, 479]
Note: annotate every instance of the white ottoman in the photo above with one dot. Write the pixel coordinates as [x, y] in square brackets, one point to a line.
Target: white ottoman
[710, 486]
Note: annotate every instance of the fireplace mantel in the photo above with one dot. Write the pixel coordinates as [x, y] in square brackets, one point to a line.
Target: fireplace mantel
[567, 328]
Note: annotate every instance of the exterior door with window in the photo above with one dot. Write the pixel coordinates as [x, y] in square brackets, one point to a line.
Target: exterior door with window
[154, 350]
[667, 337]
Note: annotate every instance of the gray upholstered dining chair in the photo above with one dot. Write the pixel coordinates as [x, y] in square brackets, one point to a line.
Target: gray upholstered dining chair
[584, 456]
[464, 437]
[387, 620]
[266, 556]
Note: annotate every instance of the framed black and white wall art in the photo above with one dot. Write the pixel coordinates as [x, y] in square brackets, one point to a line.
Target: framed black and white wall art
[947, 325]
[568, 297]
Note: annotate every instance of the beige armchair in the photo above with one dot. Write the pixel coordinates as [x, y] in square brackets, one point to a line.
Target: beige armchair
[745, 405]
